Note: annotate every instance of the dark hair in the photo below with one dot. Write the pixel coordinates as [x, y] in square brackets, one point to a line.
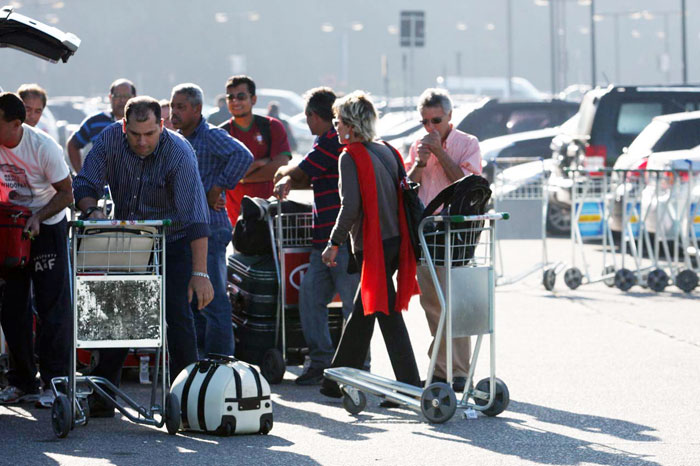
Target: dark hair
[234, 81]
[320, 101]
[119, 82]
[12, 107]
[141, 108]
[32, 90]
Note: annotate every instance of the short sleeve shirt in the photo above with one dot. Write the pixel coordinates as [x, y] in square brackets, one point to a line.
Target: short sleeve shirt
[321, 166]
[462, 148]
[28, 171]
[92, 127]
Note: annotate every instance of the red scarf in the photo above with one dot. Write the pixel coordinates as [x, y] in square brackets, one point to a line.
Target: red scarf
[373, 279]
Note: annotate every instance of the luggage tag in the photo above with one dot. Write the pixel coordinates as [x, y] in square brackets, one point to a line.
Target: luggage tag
[470, 413]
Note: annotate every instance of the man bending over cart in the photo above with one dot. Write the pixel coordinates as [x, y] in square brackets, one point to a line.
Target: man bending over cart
[152, 174]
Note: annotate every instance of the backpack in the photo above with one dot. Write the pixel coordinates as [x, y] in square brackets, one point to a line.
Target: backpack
[467, 196]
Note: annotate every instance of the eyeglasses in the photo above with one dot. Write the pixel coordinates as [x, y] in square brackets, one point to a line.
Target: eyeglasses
[239, 96]
[435, 121]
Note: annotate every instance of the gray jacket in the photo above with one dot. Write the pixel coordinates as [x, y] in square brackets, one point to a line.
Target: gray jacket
[351, 215]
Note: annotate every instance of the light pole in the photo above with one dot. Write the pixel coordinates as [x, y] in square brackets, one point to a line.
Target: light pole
[684, 45]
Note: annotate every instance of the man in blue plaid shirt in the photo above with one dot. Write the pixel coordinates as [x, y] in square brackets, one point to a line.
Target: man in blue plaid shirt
[222, 163]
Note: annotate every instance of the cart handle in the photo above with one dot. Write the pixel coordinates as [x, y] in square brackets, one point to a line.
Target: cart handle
[147, 223]
[466, 218]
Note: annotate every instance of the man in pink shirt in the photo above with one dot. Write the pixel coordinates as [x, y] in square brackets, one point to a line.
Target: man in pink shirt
[444, 155]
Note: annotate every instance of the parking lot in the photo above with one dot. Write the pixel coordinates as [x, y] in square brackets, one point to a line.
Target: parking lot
[596, 376]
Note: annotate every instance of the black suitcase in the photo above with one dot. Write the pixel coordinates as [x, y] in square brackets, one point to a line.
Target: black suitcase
[254, 336]
[253, 274]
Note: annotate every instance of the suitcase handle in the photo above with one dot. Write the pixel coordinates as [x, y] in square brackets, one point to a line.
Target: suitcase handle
[220, 357]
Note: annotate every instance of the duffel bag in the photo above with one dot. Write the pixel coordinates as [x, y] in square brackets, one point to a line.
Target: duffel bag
[224, 396]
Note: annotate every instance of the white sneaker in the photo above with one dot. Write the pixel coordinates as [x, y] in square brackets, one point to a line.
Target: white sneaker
[12, 394]
[46, 399]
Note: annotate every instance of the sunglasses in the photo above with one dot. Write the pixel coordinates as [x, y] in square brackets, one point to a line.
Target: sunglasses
[435, 121]
[239, 96]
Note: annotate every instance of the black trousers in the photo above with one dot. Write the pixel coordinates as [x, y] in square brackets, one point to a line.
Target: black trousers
[48, 271]
[357, 334]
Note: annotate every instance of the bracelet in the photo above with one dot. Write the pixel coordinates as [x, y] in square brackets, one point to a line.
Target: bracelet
[200, 274]
[421, 164]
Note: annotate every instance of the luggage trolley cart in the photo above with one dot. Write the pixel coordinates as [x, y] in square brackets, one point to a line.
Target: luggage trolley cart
[530, 200]
[687, 279]
[462, 252]
[291, 246]
[118, 287]
[591, 198]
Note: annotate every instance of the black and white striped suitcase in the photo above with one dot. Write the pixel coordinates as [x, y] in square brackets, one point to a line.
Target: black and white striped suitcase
[224, 396]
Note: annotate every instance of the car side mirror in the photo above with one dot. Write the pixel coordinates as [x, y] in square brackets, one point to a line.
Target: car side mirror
[624, 150]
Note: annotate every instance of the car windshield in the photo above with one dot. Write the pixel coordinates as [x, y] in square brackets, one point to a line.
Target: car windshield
[681, 135]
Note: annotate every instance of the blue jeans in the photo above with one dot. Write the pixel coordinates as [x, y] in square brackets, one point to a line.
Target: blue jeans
[214, 327]
[318, 287]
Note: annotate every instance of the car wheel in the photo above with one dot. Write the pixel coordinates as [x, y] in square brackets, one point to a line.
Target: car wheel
[558, 219]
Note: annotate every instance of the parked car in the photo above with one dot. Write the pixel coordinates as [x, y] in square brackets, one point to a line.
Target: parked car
[673, 132]
[496, 87]
[610, 119]
[489, 118]
[669, 194]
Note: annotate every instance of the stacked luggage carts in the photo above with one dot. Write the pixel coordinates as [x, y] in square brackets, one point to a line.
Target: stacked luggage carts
[530, 200]
[118, 286]
[655, 212]
[264, 291]
[458, 250]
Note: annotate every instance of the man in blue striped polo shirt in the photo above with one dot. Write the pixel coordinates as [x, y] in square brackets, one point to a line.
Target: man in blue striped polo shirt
[120, 91]
[222, 161]
[153, 175]
[320, 283]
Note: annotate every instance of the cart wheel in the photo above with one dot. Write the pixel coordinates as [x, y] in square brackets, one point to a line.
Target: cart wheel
[438, 402]
[625, 279]
[61, 416]
[273, 366]
[687, 280]
[172, 413]
[266, 427]
[549, 278]
[85, 406]
[657, 280]
[573, 278]
[609, 270]
[354, 401]
[500, 403]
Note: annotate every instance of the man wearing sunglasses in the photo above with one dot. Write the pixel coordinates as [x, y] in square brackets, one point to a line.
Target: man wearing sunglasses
[264, 136]
[441, 157]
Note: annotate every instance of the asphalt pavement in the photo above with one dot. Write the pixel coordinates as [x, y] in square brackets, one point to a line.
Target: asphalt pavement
[596, 377]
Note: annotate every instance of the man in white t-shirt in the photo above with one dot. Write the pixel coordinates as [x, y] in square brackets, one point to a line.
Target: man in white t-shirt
[33, 174]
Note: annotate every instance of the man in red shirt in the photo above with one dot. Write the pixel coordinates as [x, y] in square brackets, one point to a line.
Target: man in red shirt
[264, 136]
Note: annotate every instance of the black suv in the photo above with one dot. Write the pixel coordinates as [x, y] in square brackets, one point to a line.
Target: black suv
[609, 119]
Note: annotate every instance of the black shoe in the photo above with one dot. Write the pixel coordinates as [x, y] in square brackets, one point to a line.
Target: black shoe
[389, 404]
[331, 389]
[312, 376]
[100, 407]
[435, 380]
[458, 384]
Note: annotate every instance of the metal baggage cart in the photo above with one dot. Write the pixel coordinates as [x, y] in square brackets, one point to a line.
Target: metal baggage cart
[461, 250]
[118, 289]
[530, 199]
[591, 206]
[291, 235]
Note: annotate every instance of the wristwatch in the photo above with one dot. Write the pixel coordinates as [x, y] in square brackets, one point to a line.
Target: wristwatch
[90, 210]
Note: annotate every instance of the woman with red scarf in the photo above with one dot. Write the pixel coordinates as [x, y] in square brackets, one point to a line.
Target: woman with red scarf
[370, 215]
